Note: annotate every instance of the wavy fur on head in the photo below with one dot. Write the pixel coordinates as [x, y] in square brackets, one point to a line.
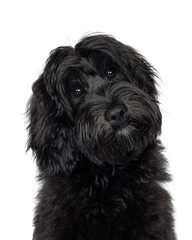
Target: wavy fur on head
[94, 127]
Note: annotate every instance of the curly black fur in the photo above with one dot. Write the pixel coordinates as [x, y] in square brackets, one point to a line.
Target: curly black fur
[94, 127]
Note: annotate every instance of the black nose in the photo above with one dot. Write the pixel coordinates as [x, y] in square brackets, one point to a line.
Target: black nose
[116, 115]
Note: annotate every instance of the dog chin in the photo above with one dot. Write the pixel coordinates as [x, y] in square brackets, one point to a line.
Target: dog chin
[114, 147]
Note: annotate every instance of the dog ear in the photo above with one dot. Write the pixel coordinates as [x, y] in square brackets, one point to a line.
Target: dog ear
[50, 120]
[144, 74]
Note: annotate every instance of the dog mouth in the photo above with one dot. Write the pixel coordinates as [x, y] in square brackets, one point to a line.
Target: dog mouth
[128, 123]
[102, 131]
[109, 144]
[121, 135]
[129, 126]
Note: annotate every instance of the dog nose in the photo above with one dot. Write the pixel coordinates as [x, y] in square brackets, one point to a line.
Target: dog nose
[116, 115]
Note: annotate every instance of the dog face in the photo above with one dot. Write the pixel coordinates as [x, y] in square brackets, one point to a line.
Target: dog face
[97, 101]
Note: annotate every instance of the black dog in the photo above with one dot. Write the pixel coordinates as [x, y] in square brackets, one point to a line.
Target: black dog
[94, 126]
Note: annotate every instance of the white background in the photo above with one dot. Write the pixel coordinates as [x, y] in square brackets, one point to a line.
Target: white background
[160, 30]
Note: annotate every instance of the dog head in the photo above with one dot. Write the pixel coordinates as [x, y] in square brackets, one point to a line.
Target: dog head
[96, 101]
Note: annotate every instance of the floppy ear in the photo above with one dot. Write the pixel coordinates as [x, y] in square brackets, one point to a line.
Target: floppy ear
[50, 120]
[143, 73]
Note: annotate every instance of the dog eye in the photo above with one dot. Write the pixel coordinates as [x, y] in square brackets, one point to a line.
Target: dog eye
[110, 72]
[77, 92]
[74, 88]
